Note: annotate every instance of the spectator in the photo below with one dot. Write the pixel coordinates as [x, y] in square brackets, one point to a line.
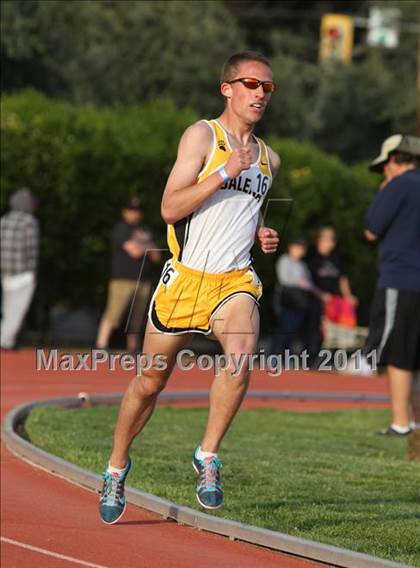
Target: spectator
[393, 219]
[292, 295]
[336, 300]
[133, 251]
[19, 260]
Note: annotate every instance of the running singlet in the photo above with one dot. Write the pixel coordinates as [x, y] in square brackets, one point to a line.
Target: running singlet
[219, 235]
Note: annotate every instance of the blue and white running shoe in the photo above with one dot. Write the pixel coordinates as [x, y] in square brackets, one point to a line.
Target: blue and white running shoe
[208, 489]
[112, 501]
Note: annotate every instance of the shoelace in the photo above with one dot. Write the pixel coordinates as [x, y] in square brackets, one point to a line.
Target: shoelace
[210, 474]
[112, 490]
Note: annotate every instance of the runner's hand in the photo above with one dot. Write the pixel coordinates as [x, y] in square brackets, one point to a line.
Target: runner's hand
[239, 160]
[268, 239]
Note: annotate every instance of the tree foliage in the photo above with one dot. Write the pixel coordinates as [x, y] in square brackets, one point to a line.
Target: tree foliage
[128, 51]
[119, 51]
[83, 163]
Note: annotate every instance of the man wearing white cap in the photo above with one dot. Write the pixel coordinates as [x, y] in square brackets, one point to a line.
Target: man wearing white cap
[394, 220]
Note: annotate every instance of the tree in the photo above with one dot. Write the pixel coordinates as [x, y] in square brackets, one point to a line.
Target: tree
[108, 51]
[118, 51]
[344, 109]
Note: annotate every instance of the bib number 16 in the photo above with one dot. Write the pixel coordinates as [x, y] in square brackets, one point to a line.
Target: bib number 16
[169, 275]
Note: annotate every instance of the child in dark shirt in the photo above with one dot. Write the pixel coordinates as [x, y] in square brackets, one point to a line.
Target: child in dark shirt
[336, 301]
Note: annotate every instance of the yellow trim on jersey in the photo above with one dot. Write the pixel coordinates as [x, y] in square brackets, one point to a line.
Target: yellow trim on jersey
[221, 151]
[173, 244]
[264, 164]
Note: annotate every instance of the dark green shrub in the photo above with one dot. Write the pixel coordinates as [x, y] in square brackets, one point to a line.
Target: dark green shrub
[83, 163]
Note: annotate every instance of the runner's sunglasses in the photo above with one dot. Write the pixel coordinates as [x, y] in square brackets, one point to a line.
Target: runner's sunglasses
[249, 83]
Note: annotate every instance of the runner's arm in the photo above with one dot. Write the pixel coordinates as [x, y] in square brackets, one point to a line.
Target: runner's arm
[267, 238]
[183, 194]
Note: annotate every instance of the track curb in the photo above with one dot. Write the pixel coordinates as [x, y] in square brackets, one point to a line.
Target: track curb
[305, 549]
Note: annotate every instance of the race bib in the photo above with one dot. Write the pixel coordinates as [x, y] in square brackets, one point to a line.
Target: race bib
[169, 275]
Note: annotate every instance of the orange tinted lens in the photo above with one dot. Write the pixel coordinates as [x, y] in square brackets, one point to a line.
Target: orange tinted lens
[268, 87]
[251, 83]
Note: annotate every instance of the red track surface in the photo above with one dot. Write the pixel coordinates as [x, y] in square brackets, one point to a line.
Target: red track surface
[60, 521]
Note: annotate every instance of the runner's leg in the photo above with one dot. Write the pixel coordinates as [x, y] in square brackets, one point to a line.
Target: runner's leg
[236, 326]
[140, 398]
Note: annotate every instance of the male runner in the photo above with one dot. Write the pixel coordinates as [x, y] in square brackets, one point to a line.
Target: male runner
[211, 203]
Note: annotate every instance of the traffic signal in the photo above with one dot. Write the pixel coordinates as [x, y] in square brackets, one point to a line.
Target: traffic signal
[336, 41]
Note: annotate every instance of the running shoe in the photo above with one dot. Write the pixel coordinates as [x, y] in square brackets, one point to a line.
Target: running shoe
[391, 432]
[112, 501]
[208, 488]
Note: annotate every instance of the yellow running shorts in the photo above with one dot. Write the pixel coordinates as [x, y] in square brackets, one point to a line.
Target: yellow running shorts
[185, 299]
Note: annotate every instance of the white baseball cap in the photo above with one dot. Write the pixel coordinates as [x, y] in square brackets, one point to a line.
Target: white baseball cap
[407, 144]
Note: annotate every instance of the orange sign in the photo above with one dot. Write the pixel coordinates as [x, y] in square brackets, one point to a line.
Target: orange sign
[336, 38]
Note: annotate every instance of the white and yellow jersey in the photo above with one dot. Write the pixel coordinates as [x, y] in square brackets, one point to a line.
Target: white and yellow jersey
[219, 235]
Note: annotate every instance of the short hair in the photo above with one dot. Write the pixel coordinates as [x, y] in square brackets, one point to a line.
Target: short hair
[230, 66]
[405, 158]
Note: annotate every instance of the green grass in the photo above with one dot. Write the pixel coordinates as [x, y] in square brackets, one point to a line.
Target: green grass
[320, 476]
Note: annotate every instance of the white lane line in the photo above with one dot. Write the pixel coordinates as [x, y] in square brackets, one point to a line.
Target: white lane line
[49, 553]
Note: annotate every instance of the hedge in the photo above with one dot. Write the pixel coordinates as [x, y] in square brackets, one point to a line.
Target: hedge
[83, 163]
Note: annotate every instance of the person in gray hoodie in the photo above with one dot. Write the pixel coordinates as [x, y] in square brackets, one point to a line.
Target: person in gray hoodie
[19, 231]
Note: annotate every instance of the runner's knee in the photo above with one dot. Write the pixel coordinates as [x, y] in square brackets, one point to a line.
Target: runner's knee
[147, 386]
[239, 353]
